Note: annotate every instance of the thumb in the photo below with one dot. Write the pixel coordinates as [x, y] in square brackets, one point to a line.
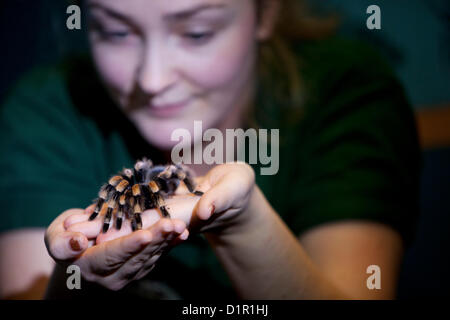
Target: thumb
[67, 245]
[218, 198]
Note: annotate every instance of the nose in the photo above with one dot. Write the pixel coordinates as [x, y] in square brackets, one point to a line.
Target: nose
[155, 71]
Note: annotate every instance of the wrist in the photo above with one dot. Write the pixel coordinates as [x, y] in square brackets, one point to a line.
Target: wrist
[253, 219]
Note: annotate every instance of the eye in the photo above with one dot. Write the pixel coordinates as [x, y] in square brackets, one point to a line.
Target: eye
[198, 37]
[109, 33]
[115, 34]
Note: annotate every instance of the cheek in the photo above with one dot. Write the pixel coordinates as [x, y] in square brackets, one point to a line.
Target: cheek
[225, 62]
[116, 67]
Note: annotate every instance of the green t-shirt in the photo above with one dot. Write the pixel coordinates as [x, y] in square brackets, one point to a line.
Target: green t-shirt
[353, 155]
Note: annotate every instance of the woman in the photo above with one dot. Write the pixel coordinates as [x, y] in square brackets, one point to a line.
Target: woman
[344, 198]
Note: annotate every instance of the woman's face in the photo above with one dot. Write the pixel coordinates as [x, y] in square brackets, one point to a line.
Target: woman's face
[170, 62]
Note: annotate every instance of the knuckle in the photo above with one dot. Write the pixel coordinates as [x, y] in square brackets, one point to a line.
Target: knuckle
[139, 260]
[110, 260]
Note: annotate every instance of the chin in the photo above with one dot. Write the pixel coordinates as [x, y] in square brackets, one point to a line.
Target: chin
[158, 131]
[158, 135]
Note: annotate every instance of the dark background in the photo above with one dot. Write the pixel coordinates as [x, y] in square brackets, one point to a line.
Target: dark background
[415, 38]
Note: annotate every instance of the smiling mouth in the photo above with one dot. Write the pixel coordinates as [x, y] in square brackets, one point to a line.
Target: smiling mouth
[168, 110]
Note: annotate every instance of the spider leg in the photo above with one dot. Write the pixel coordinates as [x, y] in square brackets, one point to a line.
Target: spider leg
[185, 175]
[161, 204]
[164, 211]
[136, 221]
[99, 202]
[178, 173]
[121, 185]
[111, 207]
[157, 198]
[115, 185]
[128, 175]
[167, 180]
[120, 211]
[102, 197]
[141, 168]
[129, 206]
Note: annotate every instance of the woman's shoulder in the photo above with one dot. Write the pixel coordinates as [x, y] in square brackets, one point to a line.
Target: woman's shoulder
[356, 144]
[53, 148]
[345, 78]
[44, 87]
[340, 54]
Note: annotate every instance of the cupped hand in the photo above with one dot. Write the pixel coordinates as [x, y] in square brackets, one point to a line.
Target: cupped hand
[228, 191]
[118, 261]
[121, 256]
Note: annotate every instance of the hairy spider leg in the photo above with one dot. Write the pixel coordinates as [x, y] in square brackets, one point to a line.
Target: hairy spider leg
[106, 192]
[109, 212]
[184, 174]
[102, 196]
[109, 193]
[128, 174]
[129, 208]
[120, 211]
[120, 185]
[141, 169]
[158, 200]
[136, 221]
[148, 198]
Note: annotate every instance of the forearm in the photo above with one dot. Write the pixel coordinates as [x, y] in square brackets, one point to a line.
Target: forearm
[25, 265]
[267, 261]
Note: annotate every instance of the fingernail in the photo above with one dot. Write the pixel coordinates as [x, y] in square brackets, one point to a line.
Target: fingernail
[74, 244]
[212, 208]
[184, 235]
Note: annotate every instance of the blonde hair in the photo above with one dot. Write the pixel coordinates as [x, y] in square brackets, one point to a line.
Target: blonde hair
[278, 66]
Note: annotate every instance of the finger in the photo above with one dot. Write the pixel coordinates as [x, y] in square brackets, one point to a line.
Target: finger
[113, 233]
[111, 255]
[163, 233]
[90, 210]
[181, 238]
[181, 207]
[217, 199]
[75, 218]
[91, 229]
[61, 244]
[68, 245]
[230, 191]
[117, 281]
[149, 218]
[144, 271]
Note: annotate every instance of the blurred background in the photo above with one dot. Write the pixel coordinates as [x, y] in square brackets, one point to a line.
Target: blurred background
[414, 37]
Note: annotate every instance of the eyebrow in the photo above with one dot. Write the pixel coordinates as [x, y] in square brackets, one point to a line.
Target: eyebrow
[185, 14]
[181, 15]
[109, 11]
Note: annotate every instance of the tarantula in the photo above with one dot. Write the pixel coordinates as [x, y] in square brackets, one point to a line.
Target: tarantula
[132, 191]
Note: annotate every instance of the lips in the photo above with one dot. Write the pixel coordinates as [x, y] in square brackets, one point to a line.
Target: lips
[168, 110]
